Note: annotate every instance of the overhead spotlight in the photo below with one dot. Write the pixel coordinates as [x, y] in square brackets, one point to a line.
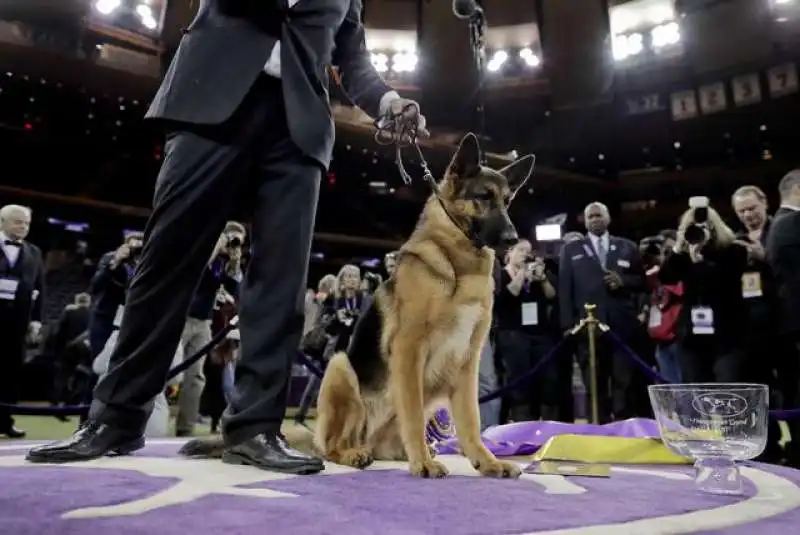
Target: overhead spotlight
[380, 62]
[625, 46]
[497, 60]
[107, 7]
[404, 62]
[665, 35]
[146, 17]
[530, 59]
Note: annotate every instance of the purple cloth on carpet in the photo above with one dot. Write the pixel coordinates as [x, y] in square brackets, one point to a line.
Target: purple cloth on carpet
[525, 438]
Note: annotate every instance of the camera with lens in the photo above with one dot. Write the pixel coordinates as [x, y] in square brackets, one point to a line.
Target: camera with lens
[135, 251]
[698, 231]
[373, 280]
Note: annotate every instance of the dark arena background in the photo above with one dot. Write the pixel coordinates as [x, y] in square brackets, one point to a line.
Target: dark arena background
[631, 108]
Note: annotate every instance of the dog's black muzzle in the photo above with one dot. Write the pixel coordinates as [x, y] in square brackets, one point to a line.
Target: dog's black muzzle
[496, 231]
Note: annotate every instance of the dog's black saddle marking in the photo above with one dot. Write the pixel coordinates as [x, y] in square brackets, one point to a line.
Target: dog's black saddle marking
[364, 352]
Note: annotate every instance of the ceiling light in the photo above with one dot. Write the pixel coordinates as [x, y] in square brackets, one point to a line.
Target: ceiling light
[666, 35]
[380, 62]
[404, 62]
[107, 7]
[497, 60]
[624, 46]
[530, 59]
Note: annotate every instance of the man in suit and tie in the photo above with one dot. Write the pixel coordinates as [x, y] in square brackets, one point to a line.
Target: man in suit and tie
[606, 271]
[245, 102]
[21, 289]
[783, 255]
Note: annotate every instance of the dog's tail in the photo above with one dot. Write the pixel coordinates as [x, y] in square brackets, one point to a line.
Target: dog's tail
[204, 448]
[298, 437]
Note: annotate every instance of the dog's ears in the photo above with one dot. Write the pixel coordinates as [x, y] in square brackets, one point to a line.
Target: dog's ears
[467, 160]
[518, 173]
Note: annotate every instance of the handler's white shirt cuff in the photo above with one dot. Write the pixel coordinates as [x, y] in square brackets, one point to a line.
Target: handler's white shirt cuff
[386, 101]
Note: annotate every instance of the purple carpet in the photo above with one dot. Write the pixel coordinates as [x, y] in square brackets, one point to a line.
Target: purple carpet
[153, 492]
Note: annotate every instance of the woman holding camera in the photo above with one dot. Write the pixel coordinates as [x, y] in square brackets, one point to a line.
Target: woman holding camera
[710, 264]
[524, 331]
[345, 306]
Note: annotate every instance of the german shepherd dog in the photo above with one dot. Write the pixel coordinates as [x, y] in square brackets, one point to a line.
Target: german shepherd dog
[417, 347]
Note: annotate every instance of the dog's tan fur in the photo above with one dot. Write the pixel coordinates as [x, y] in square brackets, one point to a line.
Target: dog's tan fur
[434, 321]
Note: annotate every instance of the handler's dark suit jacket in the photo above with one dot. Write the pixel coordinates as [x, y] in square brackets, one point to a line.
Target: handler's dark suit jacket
[227, 45]
[783, 254]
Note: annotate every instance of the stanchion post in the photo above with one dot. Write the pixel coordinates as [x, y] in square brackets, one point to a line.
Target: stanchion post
[591, 333]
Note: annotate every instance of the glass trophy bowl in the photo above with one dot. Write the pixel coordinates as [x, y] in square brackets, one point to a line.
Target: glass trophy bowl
[716, 424]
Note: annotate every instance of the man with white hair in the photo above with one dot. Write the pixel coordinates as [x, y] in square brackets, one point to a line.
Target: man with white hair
[605, 271]
[21, 287]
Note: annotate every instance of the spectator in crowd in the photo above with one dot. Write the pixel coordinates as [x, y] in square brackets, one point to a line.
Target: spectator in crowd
[710, 265]
[345, 306]
[664, 310]
[108, 286]
[314, 301]
[338, 317]
[370, 282]
[606, 271]
[218, 368]
[68, 344]
[783, 255]
[524, 331]
[21, 297]
[223, 274]
[390, 262]
[158, 422]
[764, 353]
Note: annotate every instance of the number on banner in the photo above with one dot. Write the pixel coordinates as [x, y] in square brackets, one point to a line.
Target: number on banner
[644, 104]
[782, 80]
[684, 105]
[746, 90]
[712, 98]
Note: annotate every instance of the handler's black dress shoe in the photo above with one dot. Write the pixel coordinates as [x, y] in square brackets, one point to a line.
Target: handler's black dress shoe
[270, 452]
[91, 441]
[13, 432]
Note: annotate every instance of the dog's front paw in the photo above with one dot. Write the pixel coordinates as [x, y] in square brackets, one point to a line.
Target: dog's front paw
[357, 458]
[428, 469]
[492, 467]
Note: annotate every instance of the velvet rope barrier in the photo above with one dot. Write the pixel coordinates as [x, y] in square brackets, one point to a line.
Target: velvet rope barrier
[80, 410]
[314, 368]
[654, 376]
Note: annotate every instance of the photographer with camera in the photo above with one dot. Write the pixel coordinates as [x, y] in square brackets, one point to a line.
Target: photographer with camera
[710, 264]
[220, 282]
[107, 289]
[345, 306]
[526, 334]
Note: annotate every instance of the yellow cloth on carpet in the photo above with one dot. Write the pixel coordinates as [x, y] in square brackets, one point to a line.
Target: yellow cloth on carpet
[607, 450]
